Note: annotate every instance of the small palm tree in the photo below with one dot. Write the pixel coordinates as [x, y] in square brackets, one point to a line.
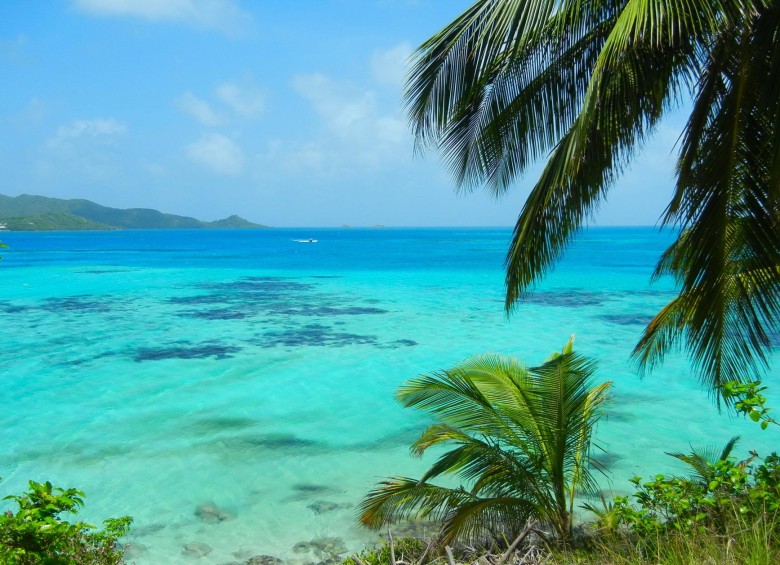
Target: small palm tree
[702, 460]
[520, 439]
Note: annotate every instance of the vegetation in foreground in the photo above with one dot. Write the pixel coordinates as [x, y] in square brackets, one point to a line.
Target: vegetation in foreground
[520, 438]
[583, 84]
[724, 511]
[37, 534]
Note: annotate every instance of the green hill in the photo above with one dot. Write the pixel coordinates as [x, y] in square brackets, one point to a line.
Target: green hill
[34, 213]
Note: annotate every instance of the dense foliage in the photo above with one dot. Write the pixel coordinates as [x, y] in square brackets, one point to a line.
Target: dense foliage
[37, 534]
[723, 506]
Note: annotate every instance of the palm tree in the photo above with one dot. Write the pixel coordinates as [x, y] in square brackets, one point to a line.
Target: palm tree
[520, 438]
[584, 83]
[702, 460]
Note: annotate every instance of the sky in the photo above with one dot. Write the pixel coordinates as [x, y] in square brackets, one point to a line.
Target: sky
[287, 113]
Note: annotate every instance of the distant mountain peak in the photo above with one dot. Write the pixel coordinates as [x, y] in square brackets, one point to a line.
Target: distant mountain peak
[29, 212]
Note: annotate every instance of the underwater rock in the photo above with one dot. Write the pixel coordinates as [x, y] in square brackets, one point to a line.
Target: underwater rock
[212, 514]
[148, 529]
[327, 548]
[196, 549]
[133, 549]
[325, 506]
[606, 459]
[302, 547]
[618, 416]
[263, 560]
[311, 489]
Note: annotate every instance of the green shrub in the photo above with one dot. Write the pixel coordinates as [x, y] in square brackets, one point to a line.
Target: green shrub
[407, 549]
[36, 534]
[724, 504]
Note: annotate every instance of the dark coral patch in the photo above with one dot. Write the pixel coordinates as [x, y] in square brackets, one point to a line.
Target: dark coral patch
[314, 335]
[198, 299]
[218, 314]
[75, 304]
[217, 424]
[606, 460]
[203, 351]
[11, 308]
[259, 285]
[104, 271]
[568, 298]
[330, 311]
[627, 319]
[246, 444]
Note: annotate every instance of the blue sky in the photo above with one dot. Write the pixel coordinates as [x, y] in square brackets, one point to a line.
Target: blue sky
[287, 113]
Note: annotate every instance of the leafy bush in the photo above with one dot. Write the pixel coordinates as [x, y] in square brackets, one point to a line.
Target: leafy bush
[36, 534]
[719, 498]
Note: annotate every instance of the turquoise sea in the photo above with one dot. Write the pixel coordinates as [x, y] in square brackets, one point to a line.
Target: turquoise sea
[234, 389]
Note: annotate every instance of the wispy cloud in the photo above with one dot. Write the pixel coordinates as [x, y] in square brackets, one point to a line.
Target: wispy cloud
[247, 102]
[200, 109]
[96, 128]
[344, 109]
[358, 133]
[218, 153]
[221, 15]
[82, 149]
[389, 66]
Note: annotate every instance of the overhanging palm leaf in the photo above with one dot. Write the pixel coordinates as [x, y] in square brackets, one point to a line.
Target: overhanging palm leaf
[520, 439]
[585, 82]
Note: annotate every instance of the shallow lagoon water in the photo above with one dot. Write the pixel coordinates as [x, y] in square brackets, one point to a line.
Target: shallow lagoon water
[235, 388]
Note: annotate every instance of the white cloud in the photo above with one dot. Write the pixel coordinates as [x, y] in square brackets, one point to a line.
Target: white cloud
[218, 153]
[222, 15]
[83, 149]
[32, 115]
[389, 67]
[99, 129]
[199, 109]
[247, 102]
[356, 133]
[344, 109]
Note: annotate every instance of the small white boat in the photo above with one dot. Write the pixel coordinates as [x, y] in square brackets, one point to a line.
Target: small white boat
[305, 240]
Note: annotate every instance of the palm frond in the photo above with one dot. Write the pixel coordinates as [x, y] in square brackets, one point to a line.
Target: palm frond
[702, 459]
[726, 259]
[519, 440]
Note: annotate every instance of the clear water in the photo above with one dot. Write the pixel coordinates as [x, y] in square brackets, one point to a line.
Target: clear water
[161, 371]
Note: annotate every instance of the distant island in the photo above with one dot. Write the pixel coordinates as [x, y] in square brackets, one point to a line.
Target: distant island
[41, 213]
